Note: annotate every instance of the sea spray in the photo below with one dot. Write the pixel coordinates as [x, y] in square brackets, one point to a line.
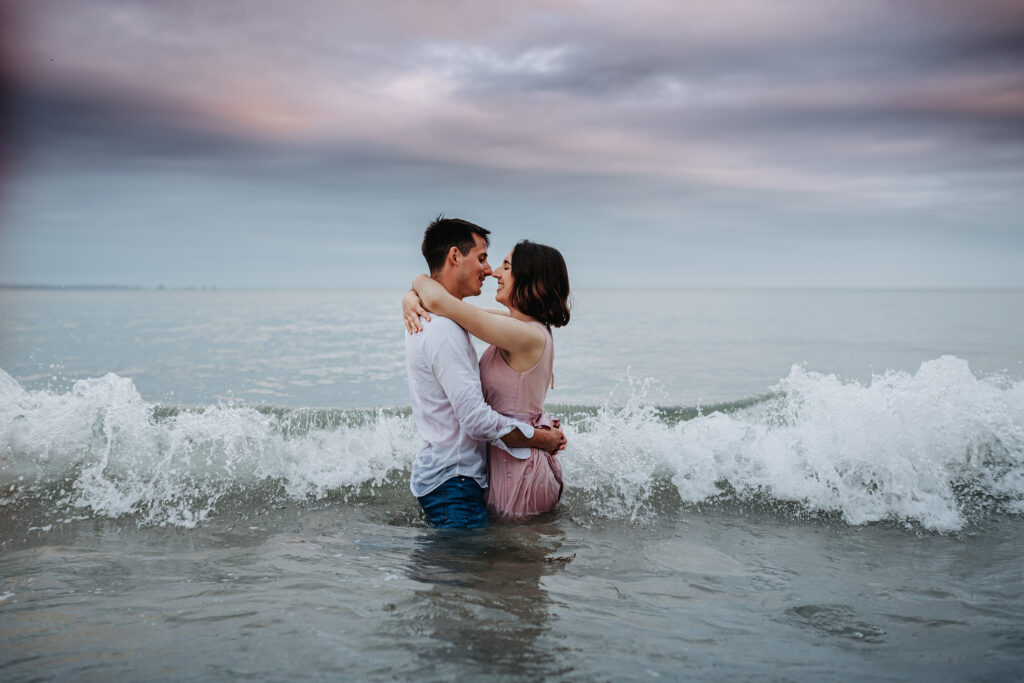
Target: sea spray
[937, 448]
[101, 447]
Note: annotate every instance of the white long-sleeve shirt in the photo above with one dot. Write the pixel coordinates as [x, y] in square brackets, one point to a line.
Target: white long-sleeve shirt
[448, 407]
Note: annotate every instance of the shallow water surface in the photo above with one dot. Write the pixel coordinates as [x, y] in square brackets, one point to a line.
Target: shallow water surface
[801, 486]
[351, 592]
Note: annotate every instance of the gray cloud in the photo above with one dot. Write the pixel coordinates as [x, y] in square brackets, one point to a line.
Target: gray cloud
[682, 123]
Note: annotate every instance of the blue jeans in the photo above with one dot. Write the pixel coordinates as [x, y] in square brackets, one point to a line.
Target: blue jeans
[458, 503]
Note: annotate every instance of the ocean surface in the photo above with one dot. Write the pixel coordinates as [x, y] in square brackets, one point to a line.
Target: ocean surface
[797, 485]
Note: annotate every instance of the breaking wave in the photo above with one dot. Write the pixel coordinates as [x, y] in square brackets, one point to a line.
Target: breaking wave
[937, 448]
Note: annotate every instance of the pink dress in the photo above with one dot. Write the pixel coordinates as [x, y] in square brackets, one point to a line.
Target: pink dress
[520, 488]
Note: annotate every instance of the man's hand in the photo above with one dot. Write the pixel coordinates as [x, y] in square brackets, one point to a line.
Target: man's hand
[547, 439]
[550, 439]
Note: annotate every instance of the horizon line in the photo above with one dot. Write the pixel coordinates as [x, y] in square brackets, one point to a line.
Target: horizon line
[216, 288]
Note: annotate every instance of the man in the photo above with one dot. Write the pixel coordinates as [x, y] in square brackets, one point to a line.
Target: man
[449, 473]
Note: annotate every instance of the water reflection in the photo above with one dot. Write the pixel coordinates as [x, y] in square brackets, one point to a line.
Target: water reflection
[484, 608]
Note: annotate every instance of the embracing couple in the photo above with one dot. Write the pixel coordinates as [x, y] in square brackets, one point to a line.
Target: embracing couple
[488, 445]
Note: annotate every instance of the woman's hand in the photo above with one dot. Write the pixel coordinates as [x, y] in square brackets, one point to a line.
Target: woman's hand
[412, 311]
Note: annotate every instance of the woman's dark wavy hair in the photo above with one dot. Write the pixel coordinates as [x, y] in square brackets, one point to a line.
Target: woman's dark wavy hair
[540, 283]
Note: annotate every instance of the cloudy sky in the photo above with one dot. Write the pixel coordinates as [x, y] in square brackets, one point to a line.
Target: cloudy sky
[273, 143]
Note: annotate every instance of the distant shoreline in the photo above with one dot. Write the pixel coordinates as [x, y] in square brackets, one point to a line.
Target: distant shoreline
[134, 288]
[638, 288]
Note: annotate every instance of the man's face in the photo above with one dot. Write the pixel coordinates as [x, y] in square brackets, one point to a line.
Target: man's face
[472, 269]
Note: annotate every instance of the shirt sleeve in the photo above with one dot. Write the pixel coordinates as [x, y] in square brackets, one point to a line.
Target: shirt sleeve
[459, 377]
[520, 453]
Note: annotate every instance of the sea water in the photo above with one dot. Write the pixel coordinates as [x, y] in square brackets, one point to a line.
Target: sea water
[792, 485]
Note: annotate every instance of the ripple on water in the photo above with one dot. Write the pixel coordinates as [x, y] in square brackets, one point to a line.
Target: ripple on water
[836, 620]
[690, 558]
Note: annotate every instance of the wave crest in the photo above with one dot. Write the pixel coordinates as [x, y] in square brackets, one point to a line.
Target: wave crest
[938, 448]
[102, 447]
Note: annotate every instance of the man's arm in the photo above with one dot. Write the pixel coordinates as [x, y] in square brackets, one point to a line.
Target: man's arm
[460, 379]
[551, 440]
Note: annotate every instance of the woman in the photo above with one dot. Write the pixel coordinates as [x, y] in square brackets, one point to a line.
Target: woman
[516, 370]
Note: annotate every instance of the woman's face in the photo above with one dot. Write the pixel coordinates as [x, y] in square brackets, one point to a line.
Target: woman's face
[503, 274]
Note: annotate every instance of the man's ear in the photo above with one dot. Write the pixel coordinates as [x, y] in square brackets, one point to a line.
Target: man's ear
[453, 255]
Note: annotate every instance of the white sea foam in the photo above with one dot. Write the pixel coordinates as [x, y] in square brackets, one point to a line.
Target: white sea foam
[101, 447]
[934, 447]
[927, 447]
